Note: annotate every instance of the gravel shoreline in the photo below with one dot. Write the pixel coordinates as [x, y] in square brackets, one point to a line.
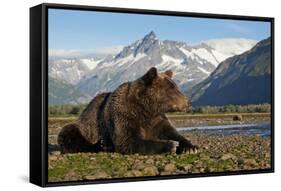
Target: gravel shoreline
[216, 153]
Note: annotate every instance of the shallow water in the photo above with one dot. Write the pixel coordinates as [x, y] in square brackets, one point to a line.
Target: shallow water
[262, 129]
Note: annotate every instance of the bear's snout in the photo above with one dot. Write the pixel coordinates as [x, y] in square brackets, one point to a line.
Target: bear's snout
[185, 104]
[182, 104]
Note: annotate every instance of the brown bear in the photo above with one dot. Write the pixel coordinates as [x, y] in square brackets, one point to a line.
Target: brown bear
[130, 119]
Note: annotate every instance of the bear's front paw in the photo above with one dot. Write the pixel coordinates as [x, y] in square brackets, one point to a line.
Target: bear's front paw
[186, 147]
[173, 146]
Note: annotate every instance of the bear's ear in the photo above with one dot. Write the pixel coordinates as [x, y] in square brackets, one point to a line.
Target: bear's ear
[150, 76]
[169, 73]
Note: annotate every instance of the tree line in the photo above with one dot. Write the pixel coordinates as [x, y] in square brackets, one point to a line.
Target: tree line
[258, 108]
[65, 110]
[74, 110]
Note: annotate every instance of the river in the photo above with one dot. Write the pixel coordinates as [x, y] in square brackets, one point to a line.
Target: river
[262, 129]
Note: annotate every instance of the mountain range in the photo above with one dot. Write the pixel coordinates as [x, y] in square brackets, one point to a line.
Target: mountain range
[191, 64]
[241, 79]
[60, 93]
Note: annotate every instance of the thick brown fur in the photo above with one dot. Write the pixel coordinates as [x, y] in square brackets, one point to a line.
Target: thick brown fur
[130, 120]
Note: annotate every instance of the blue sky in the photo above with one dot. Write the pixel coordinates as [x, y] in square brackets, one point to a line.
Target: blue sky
[88, 30]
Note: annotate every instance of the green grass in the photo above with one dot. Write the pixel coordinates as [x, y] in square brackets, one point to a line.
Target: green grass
[80, 165]
[114, 164]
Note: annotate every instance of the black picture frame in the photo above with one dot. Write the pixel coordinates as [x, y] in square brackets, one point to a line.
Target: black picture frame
[39, 90]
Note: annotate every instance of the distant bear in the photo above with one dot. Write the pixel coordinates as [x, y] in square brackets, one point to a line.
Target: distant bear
[130, 119]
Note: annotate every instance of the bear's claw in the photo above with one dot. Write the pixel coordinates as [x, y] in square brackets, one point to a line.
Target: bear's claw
[189, 148]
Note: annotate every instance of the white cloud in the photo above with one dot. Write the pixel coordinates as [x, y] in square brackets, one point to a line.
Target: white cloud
[109, 50]
[64, 53]
[84, 52]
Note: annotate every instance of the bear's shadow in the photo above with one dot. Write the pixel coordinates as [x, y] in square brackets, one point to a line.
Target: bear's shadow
[53, 148]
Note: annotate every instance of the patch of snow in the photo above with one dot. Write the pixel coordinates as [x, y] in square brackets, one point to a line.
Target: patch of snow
[90, 62]
[203, 70]
[186, 52]
[206, 86]
[206, 55]
[169, 59]
[130, 59]
[185, 80]
[139, 56]
[125, 60]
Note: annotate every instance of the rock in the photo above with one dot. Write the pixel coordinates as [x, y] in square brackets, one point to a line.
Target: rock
[98, 175]
[89, 177]
[53, 157]
[195, 170]
[157, 163]
[163, 173]
[56, 153]
[250, 162]
[70, 175]
[204, 156]
[187, 167]
[268, 165]
[150, 171]
[211, 169]
[206, 147]
[133, 173]
[149, 161]
[240, 161]
[136, 173]
[267, 155]
[139, 165]
[170, 167]
[228, 156]
[122, 168]
[237, 117]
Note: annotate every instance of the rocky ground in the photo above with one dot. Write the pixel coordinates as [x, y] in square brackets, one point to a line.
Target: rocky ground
[216, 154]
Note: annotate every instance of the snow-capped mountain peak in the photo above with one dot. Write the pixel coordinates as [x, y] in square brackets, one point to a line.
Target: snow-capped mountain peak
[72, 70]
[135, 59]
[151, 35]
[191, 64]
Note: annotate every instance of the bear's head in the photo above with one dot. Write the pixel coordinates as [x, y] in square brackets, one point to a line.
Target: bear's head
[160, 93]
